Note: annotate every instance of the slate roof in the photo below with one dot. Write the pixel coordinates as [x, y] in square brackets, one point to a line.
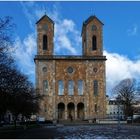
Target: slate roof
[88, 20]
[43, 18]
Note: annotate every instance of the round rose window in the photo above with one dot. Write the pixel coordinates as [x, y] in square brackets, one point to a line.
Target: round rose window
[70, 70]
[95, 70]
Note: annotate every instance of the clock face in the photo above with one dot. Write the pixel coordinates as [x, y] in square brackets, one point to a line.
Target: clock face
[94, 28]
[45, 27]
[44, 69]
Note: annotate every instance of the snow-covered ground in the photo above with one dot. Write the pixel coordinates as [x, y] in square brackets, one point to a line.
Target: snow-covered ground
[99, 132]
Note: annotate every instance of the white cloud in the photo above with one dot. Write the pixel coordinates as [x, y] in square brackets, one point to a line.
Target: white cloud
[132, 31]
[66, 36]
[23, 52]
[68, 41]
[119, 67]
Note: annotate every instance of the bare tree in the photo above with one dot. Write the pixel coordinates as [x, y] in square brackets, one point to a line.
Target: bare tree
[6, 61]
[127, 90]
[23, 100]
[16, 91]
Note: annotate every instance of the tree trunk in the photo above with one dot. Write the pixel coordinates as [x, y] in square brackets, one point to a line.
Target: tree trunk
[15, 122]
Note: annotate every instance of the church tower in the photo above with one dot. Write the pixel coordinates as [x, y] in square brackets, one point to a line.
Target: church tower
[45, 34]
[45, 67]
[92, 37]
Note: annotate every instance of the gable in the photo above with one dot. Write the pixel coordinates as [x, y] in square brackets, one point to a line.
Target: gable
[45, 17]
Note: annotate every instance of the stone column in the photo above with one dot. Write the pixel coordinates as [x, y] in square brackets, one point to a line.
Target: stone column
[66, 112]
[56, 113]
[85, 112]
[75, 112]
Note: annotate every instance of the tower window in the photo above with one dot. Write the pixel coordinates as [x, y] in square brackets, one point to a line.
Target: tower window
[45, 42]
[45, 108]
[95, 107]
[94, 43]
[60, 87]
[95, 87]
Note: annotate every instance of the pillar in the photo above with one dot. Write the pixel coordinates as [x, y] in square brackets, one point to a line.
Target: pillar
[75, 112]
[66, 112]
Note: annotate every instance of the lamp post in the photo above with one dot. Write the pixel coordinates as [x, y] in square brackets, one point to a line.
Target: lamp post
[118, 102]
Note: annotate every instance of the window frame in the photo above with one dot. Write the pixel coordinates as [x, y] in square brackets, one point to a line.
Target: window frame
[60, 87]
[95, 87]
[82, 88]
[71, 87]
[45, 90]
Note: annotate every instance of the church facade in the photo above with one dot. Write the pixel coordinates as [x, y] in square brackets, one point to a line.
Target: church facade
[74, 87]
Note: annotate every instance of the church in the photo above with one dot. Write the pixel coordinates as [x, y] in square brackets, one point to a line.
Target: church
[73, 87]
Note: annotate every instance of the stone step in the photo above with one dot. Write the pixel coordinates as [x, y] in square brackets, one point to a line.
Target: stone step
[72, 122]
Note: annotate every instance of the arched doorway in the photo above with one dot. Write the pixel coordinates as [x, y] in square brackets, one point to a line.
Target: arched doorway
[71, 112]
[61, 111]
[80, 111]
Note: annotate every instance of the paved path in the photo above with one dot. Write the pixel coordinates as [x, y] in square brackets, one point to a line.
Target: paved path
[75, 132]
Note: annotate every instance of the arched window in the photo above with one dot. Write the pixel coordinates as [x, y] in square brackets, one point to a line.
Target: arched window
[45, 87]
[95, 107]
[45, 108]
[60, 87]
[70, 87]
[94, 43]
[95, 87]
[45, 42]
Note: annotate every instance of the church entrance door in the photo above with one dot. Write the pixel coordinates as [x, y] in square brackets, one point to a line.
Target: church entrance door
[80, 111]
[71, 108]
[61, 111]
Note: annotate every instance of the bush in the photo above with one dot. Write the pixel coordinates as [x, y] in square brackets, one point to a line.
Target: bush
[46, 122]
[28, 123]
[137, 120]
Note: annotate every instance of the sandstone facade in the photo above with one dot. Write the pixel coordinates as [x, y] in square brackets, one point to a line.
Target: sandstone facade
[74, 87]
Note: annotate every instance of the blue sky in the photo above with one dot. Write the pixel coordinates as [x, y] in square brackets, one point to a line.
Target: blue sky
[121, 35]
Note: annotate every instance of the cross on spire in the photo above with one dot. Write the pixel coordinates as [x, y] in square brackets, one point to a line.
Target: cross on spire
[92, 13]
[45, 10]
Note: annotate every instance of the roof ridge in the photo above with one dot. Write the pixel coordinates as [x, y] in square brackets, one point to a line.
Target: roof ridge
[44, 17]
